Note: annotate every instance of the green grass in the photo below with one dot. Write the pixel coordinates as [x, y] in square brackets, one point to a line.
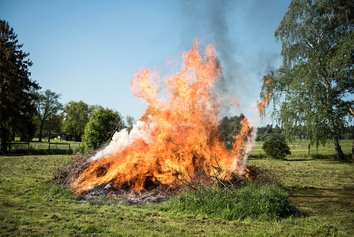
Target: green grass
[235, 203]
[30, 205]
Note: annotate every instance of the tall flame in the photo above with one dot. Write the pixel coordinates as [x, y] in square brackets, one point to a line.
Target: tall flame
[176, 140]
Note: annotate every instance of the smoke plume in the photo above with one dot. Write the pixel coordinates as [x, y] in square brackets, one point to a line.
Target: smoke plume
[238, 29]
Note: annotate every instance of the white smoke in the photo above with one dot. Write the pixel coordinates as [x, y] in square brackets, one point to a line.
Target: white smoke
[240, 164]
[123, 139]
[251, 140]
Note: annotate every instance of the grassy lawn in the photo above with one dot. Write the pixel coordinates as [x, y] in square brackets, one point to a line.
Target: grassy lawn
[32, 206]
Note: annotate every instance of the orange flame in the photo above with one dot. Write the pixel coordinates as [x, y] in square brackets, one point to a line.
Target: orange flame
[183, 133]
[263, 103]
[265, 100]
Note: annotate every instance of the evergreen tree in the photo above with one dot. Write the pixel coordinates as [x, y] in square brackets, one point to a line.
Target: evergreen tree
[17, 90]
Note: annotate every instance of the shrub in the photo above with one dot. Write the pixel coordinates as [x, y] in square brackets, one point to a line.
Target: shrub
[264, 202]
[276, 147]
[100, 128]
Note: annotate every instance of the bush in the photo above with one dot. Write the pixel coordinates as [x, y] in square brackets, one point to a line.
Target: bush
[264, 202]
[101, 127]
[276, 147]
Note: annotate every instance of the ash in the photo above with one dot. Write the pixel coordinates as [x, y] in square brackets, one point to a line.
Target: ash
[96, 194]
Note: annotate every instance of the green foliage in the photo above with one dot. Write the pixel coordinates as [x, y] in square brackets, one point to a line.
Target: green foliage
[311, 89]
[17, 91]
[53, 125]
[267, 202]
[76, 116]
[26, 130]
[48, 106]
[101, 127]
[130, 122]
[276, 147]
[228, 127]
[264, 132]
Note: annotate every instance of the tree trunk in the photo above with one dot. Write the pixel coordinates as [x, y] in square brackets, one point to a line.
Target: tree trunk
[353, 150]
[40, 131]
[309, 150]
[338, 148]
[4, 139]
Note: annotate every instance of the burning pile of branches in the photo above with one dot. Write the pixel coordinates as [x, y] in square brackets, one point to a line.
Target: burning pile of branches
[175, 143]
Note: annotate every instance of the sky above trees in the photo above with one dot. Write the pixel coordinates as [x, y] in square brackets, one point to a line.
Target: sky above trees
[89, 50]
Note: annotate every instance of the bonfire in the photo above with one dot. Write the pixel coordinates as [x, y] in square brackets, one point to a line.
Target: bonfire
[176, 141]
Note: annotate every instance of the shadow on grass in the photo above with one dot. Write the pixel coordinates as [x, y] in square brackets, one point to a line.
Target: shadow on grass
[22, 152]
[257, 156]
[348, 158]
[323, 201]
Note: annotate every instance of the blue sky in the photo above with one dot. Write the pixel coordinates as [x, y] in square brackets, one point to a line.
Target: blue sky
[89, 50]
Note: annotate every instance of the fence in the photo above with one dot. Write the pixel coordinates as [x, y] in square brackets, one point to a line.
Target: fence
[43, 147]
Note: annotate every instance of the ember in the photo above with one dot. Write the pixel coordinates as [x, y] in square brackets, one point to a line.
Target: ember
[176, 140]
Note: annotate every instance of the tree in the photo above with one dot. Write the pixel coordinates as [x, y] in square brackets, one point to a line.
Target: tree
[47, 108]
[54, 124]
[130, 122]
[92, 109]
[228, 127]
[310, 91]
[76, 116]
[264, 132]
[275, 146]
[26, 130]
[101, 127]
[17, 91]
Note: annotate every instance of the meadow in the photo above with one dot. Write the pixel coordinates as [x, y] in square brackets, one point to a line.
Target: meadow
[31, 204]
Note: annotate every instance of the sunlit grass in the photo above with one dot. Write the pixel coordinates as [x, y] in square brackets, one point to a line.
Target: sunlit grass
[235, 203]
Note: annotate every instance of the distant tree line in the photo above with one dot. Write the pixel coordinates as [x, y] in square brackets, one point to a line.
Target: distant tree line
[229, 126]
[346, 132]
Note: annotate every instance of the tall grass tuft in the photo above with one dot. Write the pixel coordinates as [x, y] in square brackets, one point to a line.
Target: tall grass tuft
[254, 201]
